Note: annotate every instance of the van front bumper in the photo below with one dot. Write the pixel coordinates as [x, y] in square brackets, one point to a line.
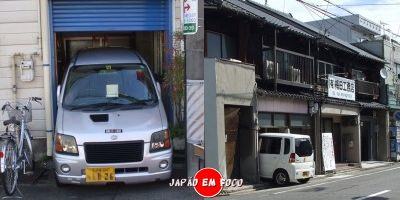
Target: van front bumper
[150, 162]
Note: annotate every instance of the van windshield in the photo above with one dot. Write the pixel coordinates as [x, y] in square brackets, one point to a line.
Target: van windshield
[112, 86]
[303, 147]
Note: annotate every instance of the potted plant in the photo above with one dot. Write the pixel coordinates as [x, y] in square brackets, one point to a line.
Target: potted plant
[174, 81]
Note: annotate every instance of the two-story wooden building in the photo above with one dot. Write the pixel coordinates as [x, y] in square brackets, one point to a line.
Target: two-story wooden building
[307, 83]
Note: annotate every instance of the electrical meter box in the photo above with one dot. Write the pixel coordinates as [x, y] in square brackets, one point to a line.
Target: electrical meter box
[26, 70]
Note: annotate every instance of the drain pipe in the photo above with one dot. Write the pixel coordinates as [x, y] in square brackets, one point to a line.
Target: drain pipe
[45, 39]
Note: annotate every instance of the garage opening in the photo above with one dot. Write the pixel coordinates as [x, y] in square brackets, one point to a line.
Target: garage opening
[148, 44]
[144, 26]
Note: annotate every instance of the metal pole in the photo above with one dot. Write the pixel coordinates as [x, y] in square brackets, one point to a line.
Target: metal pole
[275, 63]
[185, 106]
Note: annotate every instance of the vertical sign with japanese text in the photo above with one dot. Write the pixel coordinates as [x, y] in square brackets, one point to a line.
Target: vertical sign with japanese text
[328, 153]
[341, 88]
[190, 17]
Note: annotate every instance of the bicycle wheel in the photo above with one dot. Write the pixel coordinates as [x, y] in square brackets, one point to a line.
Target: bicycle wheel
[10, 174]
[28, 152]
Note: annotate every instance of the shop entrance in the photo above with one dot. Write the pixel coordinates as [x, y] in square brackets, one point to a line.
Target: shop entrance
[343, 129]
[240, 139]
[329, 126]
[368, 141]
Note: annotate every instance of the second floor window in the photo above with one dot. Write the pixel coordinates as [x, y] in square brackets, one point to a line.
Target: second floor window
[220, 45]
[325, 69]
[357, 75]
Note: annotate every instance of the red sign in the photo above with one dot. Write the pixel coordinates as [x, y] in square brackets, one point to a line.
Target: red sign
[209, 182]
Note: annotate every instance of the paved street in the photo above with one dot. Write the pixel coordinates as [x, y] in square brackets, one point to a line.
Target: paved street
[376, 184]
[46, 188]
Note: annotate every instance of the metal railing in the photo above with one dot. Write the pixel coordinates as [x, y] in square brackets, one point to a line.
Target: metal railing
[367, 88]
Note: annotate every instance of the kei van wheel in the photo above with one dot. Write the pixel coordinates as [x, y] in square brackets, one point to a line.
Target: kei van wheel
[58, 183]
[281, 178]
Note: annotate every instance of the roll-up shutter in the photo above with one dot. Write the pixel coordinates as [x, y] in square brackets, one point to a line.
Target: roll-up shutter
[109, 15]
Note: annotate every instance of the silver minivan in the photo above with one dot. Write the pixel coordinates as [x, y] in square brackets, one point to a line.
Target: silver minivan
[111, 124]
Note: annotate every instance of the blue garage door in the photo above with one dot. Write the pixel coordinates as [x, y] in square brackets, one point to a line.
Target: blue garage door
[109, 15]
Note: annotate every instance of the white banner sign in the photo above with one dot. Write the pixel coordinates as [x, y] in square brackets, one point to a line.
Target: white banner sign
[328, 153]
[341, 88]
[190, 16]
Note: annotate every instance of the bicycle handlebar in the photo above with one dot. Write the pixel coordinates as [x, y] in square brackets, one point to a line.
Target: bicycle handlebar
[36, 99]
[20, 106]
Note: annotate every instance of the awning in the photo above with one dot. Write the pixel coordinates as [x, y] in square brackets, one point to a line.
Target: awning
[322, 98]
[373, 105]
[306, 97]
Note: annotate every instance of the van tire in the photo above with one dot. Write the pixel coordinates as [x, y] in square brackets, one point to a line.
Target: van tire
[58, 184]
[281, 177]
[302, 181]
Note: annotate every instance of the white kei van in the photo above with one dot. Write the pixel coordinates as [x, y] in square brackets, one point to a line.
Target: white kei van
[111, 124]
[286, 157]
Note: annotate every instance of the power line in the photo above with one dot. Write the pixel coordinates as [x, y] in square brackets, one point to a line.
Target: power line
[362, 4]
[339, 7]
[333, 16]
[321, 22]
[350, 12]
[326, 13]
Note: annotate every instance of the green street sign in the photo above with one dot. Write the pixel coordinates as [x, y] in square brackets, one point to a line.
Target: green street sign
[190, 17]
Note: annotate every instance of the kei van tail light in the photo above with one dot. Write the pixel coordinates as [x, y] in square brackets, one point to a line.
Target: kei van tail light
[292, 158]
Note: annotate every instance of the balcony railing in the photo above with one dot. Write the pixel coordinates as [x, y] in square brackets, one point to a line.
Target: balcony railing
[291, 68]
[367, 88]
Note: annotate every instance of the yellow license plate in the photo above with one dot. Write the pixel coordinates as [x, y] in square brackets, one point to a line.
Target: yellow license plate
[104, 174]
[305, 174]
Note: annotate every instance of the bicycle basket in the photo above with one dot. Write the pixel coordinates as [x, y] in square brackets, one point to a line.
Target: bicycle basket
[17, 114]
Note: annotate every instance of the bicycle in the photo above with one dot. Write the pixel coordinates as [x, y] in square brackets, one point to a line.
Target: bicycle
[18, 147]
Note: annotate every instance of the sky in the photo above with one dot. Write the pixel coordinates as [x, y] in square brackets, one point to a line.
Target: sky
[389, 14]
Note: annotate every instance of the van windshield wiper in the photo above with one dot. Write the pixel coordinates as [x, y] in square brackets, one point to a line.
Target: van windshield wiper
[96, 106]
[135, 101]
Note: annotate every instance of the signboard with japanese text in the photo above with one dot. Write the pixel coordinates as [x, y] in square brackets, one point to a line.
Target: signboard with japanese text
[190, 17]
[328, 153]
[341, 88]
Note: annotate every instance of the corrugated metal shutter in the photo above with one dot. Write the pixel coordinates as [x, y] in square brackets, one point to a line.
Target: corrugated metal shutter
[111, 15]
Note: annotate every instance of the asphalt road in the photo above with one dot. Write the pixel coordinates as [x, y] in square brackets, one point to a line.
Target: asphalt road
[374, 184]
[46, 188]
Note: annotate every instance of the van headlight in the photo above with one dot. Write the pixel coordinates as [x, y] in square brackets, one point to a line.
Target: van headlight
[160, 141]
[66, 144]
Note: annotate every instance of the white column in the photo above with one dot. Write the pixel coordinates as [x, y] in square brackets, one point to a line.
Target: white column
[45, 39]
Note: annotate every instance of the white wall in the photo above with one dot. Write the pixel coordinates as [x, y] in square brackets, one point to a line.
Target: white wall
[20, 34]
[177, 15]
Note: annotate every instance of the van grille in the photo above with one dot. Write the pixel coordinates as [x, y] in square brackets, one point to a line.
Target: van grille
[114, 152]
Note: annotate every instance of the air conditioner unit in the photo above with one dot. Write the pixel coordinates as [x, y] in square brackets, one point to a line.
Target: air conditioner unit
[268, 69]
[296, 75]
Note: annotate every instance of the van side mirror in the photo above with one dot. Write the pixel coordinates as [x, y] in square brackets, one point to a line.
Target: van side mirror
[58, 92]
[158, 87]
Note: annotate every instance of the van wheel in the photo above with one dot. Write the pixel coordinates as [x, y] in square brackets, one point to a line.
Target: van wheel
[281, 177]
[58, 184]
[302, 181]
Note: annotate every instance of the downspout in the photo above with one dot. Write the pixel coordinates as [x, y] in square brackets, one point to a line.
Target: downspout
[14, 78]
[45, 39]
